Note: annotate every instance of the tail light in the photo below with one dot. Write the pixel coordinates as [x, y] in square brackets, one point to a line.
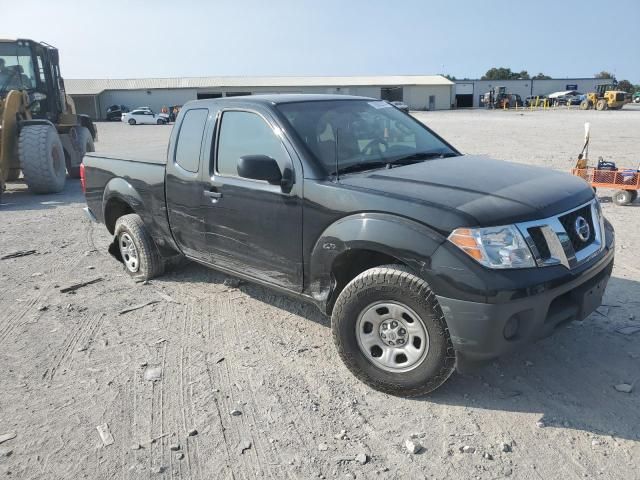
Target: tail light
[83, 180]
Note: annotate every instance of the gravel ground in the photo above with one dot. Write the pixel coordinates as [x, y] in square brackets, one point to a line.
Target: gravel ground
[213, 381]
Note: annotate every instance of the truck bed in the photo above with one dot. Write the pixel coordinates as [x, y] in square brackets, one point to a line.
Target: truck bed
[139, 182]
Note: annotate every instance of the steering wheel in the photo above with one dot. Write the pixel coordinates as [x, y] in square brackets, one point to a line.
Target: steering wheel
[374, 145]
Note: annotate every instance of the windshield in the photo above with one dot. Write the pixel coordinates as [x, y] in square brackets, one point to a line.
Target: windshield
[364, 134]
[16, 67]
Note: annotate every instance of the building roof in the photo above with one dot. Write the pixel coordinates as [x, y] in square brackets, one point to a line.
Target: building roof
[94, 86]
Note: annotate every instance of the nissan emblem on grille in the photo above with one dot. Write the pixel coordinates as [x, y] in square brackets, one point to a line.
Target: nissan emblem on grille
[582, 229]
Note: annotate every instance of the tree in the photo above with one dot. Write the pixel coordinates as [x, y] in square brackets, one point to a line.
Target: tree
[541, 76]
[626, 86]
[603, 74]
[449, 77]
[503, 73]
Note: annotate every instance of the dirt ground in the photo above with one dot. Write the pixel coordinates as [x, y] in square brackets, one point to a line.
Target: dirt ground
[73, 361]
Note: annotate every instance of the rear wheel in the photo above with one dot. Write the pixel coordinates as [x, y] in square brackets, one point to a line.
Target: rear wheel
[139, 253]
[132, 121]
[623, 197]
[42, 158]
[601, 104]
[161, 122]
[391, 334]
[85, 141]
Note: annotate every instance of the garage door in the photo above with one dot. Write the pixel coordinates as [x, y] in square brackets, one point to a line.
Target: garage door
[464, 88]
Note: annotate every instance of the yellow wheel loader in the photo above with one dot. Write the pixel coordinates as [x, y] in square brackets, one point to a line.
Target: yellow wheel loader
[40, 133]
[606, 97]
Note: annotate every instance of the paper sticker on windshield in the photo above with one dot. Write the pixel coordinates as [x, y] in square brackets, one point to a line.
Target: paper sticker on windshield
[379, 104]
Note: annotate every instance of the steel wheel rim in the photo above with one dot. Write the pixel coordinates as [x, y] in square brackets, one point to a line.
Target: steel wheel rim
[406, 340]
[129, 252]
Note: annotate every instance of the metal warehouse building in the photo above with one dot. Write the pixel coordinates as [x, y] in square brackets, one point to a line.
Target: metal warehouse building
[468, 93]
[93, 97]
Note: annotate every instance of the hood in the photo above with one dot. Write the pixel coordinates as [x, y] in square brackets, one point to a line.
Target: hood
[485, 191]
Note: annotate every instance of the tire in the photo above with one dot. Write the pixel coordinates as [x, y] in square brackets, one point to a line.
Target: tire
[86, 143]
[634, 195]
[623, 197]
[601, 105]
[405, 293]
[161, 122]
[132, 121]
[148, 263]
[584, 105]
[42, 159]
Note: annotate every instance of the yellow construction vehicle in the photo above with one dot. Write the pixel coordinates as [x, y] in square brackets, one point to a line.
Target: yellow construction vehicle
[40, 132]
[606, 97]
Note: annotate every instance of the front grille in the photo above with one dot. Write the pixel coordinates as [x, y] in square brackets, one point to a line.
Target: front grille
[540, 242]
[569, 223]
[555, 241]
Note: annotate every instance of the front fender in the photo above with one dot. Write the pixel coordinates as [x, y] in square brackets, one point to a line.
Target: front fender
[407, 240]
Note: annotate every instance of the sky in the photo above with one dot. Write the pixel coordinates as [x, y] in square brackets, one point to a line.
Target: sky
[464, 38]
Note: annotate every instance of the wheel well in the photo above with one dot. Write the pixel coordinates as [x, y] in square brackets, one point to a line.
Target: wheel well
[115, 209]
[351, 263]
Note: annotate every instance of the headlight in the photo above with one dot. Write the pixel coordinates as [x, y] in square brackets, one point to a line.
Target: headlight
[494, 247]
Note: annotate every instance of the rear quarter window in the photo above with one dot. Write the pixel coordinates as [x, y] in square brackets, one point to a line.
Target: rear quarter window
[190, 139]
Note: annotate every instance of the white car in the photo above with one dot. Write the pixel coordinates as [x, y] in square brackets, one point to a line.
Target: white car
[144, 116]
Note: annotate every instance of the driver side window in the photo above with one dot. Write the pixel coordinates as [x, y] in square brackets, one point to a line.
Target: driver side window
[246, 133]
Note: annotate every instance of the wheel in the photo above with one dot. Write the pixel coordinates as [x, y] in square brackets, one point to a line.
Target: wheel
[634, 195]
[139, 253]
[132, 121]
[636, 100]
[161, 122]
[14, 174]
[584, 105]
[391, 334]
[42, 158]
[601, 104]
[623, 197]
[85, 141]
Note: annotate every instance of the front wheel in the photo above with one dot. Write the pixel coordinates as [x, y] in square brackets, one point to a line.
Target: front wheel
[391, 333]
[623, 197]
[138, 251]
[161, 122]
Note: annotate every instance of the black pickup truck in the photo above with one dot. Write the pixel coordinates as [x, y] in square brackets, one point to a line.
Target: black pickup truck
[423, 257]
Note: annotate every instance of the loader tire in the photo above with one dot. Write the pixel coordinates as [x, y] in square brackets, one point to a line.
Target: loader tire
[86, 143]
[601, 105]
[585, 105]
[42, 159]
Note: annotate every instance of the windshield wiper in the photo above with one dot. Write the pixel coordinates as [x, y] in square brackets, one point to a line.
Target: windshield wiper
[418, 157]
[406, 160]
[361, 167]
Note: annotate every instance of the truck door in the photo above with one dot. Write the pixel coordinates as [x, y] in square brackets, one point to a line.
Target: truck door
[254, 227]
[184, 182]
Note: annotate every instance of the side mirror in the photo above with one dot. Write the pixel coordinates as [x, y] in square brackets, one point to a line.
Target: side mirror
[259, 167]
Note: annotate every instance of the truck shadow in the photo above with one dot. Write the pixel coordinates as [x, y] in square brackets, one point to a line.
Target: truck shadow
[18, 197]
[564, 381]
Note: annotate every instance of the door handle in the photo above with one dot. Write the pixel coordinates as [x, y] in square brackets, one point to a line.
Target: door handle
[213, 195]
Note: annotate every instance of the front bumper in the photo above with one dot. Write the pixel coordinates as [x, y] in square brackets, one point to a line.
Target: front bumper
[481, 331]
